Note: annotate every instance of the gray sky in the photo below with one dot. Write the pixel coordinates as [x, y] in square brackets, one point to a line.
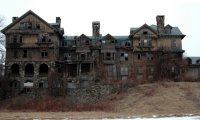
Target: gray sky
[116, 16]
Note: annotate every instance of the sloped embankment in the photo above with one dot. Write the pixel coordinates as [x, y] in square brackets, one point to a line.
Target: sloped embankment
[158, 98]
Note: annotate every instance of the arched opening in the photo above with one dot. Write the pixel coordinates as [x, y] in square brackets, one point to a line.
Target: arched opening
[43, 70]
[15, 69]
[29, 70]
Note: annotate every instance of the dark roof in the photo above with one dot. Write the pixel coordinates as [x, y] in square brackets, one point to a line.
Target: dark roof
[23, 16]
[175, 31]
[91, 37]
[193, 59]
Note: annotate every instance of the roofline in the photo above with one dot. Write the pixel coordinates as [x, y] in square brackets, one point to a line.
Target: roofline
[20, 18]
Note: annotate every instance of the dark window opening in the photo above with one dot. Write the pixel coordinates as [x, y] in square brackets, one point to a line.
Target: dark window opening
[138, 56]
[41, 84]
[127, 44]
[85, 68]
[29, 25]
[43, 70]
[15, 39]
[15, 84]
[20, 39]
[83, 56]
[126, 58]
[29, 70]
[108, 56]
[25, 53]
[15, 69]
[43, 39]
[87, 42]
[145, 33]
[44, 54]
[122, 54]
[112, 41]
[72, 70]
[38, 26]
[15, 54]
[49, 40]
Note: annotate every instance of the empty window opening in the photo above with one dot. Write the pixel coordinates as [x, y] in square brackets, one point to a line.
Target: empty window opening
[15, 39]
[72, 70]
[127, 44]
[29, 25]
[87, 42]
[38, 26]
[41, 84]
[85, 68]
[83, 56]
[25, 53]
[15, 54]
[112, 41]
[43, 70]
[44, 54]
[108, 56]
[139, 56]
[29, 70]
[20, 39]
[145, 33]
[15, 69]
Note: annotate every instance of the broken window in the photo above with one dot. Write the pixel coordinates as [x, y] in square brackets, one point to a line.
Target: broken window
[43, 70]
[124, 57]
[25, 54]
[44, 54]
[22, 25]
[15, 69]
[29, 70]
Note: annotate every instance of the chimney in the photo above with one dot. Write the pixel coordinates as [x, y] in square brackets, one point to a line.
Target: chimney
[95, 28]
[160, 23]
[14, 18]
[58, 20]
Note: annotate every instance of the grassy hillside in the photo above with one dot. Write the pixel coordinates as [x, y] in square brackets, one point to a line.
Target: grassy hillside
[158, 98]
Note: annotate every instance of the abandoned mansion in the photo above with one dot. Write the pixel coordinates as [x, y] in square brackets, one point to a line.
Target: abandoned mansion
[37, 51]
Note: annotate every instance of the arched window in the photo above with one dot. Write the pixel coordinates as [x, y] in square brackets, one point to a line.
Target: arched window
[15, 69]
[29, 70]
[43, 70]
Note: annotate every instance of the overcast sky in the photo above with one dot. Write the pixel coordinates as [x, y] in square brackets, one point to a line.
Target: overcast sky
[115, 16]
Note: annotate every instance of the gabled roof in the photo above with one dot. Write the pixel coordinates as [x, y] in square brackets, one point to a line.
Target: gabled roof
[22, 17]
[142, 27]
[108, 37]
[83, 36]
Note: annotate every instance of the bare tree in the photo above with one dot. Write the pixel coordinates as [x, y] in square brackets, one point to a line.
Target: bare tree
[2, 42]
